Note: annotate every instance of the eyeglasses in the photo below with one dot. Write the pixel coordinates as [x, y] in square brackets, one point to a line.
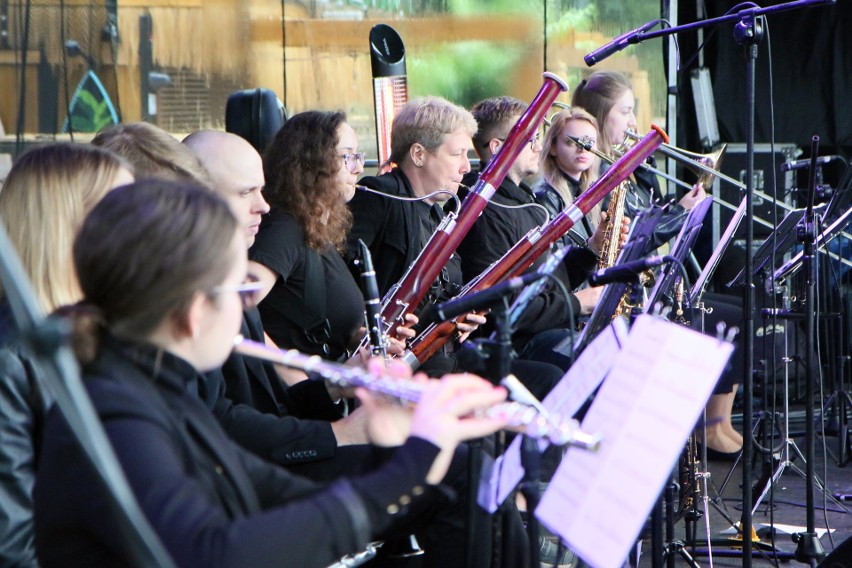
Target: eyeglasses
[353, 161]
[536, 139]
[248, 291]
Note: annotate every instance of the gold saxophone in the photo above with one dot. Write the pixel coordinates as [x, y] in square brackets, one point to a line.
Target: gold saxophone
[612, 244]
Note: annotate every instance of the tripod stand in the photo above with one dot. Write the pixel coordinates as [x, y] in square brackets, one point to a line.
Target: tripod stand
[789, 450]
[839, 403]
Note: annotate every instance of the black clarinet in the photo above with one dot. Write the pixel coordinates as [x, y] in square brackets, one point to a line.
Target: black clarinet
[373, 307]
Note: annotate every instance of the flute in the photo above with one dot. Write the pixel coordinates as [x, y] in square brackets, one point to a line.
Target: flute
[520, 417]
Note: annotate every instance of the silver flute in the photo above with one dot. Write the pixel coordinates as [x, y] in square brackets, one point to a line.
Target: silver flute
[520, 417]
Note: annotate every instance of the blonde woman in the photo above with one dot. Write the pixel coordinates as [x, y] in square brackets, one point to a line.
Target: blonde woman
[48, 192]
[568, 169]
[43, 203]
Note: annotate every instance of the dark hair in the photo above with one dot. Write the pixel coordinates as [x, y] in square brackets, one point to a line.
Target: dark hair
[598, 94]
[301, 166]
[495, 118]
[146, 249]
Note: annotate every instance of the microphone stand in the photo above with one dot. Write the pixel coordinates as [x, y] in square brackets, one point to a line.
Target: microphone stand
[748, 32]
[808, 547]
[497, 353]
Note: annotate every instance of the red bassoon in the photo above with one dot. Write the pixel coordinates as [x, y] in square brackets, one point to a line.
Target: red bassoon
[405, 296]
[538, 241]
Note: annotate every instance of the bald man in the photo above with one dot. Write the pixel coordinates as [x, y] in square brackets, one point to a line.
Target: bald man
[236, 170]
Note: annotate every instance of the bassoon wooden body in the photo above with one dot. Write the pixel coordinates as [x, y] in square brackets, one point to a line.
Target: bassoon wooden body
[405, 296]
[538, 241]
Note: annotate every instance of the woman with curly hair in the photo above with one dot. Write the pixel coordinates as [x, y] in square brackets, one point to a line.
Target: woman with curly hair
[311, 302]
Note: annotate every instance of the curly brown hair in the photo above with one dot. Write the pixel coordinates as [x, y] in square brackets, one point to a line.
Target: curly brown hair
[301, 166]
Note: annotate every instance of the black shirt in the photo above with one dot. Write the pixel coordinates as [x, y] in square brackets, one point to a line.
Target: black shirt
[496, 231]
[209, 501]
[280, 246]
[395, 232]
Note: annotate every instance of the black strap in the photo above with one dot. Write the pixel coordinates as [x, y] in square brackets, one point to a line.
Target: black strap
[309, 312]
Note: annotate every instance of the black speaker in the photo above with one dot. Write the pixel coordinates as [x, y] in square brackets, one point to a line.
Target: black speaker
[256, 115]
[734, 165]
[841, 557]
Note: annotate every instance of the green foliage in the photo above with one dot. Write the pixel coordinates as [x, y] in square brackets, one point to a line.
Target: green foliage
[470, 7]
[464, 72]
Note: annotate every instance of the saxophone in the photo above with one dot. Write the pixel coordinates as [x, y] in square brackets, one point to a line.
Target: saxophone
[612, 245]
[612, 240]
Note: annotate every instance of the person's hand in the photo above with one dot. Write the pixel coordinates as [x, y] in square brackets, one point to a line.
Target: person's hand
[598, 240]
[388, 422]
[471, 323]
[692, 198]
[445, 415]
[352, 429]
[397, 346]
[588, 298]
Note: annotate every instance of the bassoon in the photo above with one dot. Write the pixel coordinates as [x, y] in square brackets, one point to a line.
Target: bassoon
[407, 294]
[535, 243]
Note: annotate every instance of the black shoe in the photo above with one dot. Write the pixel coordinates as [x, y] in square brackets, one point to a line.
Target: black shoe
[716, 455]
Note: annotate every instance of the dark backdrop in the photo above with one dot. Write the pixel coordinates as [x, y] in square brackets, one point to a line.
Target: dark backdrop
[811, 63]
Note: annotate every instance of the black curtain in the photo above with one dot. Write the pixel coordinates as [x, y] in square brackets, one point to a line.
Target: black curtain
[812, 70]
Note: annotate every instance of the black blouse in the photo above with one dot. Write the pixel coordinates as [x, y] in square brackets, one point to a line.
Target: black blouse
[280, 246]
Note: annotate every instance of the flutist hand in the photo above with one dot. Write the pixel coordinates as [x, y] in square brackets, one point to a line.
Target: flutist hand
[445, 416]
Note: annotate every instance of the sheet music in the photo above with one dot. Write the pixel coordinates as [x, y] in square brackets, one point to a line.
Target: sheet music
[566, 398]
[598, 502]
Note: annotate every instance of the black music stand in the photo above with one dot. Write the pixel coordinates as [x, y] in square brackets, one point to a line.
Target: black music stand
[777, 244]
[641, 235]
[839, 397]
[671, 272]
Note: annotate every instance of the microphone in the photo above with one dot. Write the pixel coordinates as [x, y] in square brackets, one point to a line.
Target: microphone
[805, 164]
[483, 300]
[627, 272]
[373, 306]
[617, 44]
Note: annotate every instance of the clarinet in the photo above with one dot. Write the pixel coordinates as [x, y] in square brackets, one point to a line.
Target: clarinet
[538, 241]
[520, 417]
[373, 306]
[415, 283]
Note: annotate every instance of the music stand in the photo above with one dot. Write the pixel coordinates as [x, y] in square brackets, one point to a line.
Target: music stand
[837, 218]
[828, 234]
[681, 248]
[697, 292]
[776, 245]
[641, 234]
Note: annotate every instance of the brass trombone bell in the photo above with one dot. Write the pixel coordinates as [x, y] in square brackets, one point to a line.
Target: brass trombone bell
[705, 166]
[561, 106]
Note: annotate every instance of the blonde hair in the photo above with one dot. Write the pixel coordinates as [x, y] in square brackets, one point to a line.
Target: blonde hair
[49, 191]
[426, 121]
[550, 171]
[153, 152]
